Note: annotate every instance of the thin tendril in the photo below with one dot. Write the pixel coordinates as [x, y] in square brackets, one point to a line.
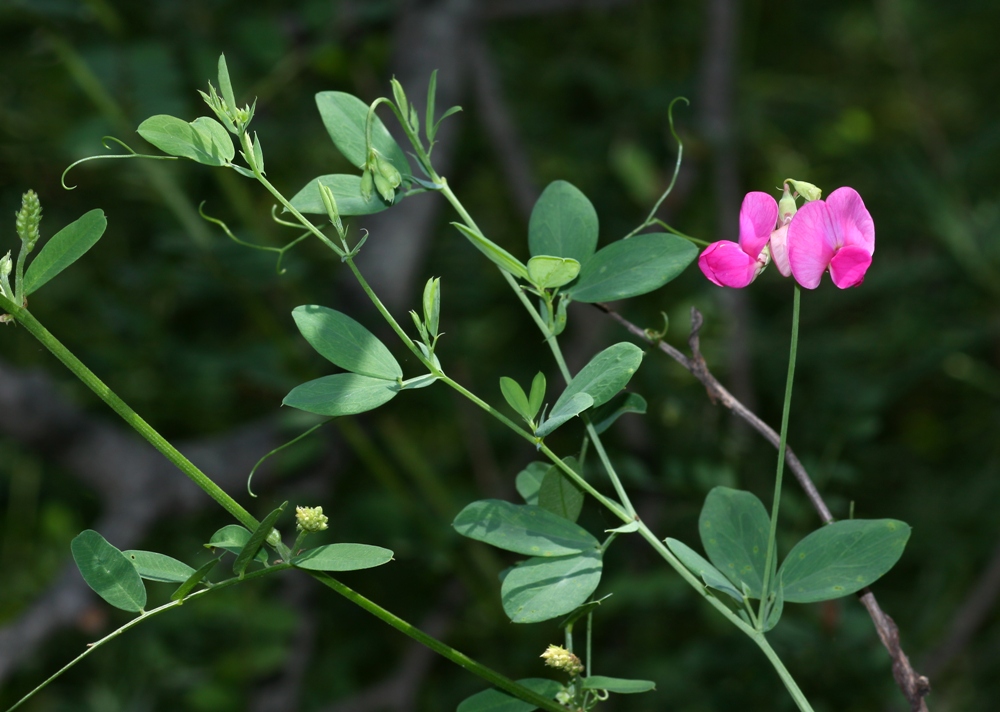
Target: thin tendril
[279, 449]
[130, 154]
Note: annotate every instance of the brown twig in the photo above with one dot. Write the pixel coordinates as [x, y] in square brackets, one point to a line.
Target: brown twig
[914, 686]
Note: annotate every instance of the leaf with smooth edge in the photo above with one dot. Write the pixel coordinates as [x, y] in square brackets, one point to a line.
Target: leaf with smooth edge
[777, 607]
[346, 343]
[530, 479]
[346, 191]
[256, 541]
[522, 528]
[626, 528]
[196, 578]
[698, 565]
[342, 557]
[216, 136]
[515, 397]
[631, 267]
[543, 588]
[497, 701]
[622, 403]
[496, 254]
[559, 494]
[606, 374]
[341, 394]
[734, 528]
[159, 567]
[108, 571]
[179, 138]
[233, 538]
[64, 248]
[546, 272]
[344, 117]
[563, 223]
[617, 685]
[842, 558]
[225, 83]
[563, 411]
[537, 395]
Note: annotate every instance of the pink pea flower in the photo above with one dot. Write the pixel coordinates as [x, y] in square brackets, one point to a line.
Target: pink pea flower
[836, 234]
[729, 264]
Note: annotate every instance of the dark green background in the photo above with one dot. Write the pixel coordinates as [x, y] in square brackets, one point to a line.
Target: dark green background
[896, 402]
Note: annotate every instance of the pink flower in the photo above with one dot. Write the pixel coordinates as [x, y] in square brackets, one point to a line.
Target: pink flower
[729, 264]
[836, 234]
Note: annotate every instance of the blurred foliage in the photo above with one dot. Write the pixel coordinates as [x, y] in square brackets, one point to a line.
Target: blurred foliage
[895, 408]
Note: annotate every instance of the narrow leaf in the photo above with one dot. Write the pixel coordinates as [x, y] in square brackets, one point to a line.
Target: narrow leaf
[523, 529]
[514, 395]
[563, 411]
[342, 557]
[108, 571]
[256, 540]
[64, 248]
[563, 223]
[543, 588]
[496, 254]
[701, 568]
[617, 685]
[159, 567]
[196, 578]
[341, 394]
[225, 83]
[622, 403]
[497, 701]
[842, 558]
[628, 268]
[734, 528]
[346, 343]
[346, 191]
[537, 395]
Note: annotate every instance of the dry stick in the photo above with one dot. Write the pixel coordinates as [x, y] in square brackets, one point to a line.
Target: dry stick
[913, 685]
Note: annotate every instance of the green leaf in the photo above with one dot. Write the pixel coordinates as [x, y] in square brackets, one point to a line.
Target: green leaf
[341, 394]
[543, 588]
[346, 192]
[346, 343]
[561, 495]
[547, 272]
[563, 223]
[606, 374]
[497, 701]
[622, 403]
[64, 248]
[842, 558]
[776, 608]
[537, 395]
[700, 567]
[196, 578]
[734, 528]
[233, 538]
[432, 305]
[344, 117]
[514, 395]
[522, 528]
[256, 541]
[563, 411]
[199, 140]
[626, 528]
[159, 567]
[496, 254]
[225, 83]
[108, 571]
[617, 685]
[529, 480]
[342, 557]
[631, 267]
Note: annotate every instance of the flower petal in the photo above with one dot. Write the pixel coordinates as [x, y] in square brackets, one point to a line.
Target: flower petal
[758, 216]
[779, 250]
[848, 266]
[726, 265]
[811, 243]
[851, 218]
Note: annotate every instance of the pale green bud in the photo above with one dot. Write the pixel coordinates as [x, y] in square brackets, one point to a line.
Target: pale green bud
[432, 304]
[806, 190]
[310, 519]
[561, 659]
[384, 187]
[28, 218]
[388, 171]
[367, 185]
[786, 206]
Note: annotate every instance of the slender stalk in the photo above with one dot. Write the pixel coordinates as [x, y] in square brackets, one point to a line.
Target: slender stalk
[782, 441]
[442, 649]
[35, 328]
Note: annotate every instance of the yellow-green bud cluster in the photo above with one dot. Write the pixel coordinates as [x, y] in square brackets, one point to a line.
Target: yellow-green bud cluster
[310, 519]
[561, 659]
[28, 218]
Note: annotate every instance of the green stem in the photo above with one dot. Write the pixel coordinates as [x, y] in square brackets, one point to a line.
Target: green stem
[445, 651]
[769, 560]
[95, 384]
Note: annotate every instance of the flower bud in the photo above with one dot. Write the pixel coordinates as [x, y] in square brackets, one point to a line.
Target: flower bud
[384, 187]
[786, 206]
[388, 171]
[367, 185]
[28, 218]
[806, 190]
[310, 519]
[561, 659]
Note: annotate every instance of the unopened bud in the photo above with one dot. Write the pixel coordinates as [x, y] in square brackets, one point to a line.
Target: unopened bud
[806, 190]
[367, 185]
[786, 206]
[384, 187]
[310, 519]
[28, 218]
[388, 171]
[561, 659]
